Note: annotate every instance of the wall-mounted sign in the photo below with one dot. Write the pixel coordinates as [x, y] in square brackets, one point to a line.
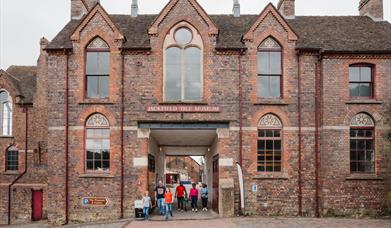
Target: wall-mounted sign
[254, 188]
[183, 108]
[95, 201]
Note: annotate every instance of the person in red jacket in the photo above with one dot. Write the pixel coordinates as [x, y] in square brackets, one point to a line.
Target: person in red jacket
[180, 192]
[194, 198]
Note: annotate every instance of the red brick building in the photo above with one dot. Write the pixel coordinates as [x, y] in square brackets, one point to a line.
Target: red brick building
[301, 103]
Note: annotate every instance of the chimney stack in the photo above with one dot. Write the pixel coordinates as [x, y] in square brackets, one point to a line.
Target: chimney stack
[79, 8]
[287, 8]
[134, 10]
[372, 9]
[236, 8]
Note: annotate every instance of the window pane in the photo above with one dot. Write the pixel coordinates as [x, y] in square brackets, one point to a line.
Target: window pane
[103, 63]
[104, 86]
[353, 167]
[90, 154]
[353, 155]
[354, 74]
[354, 89]
[361, 155]
[369, 155]
[263, 63]
[277, 145]
[277, 133]
[173, 74]
[90, 165]
[366, 74]
[353, 133]
[106, 155]
[275, 86]
[261, 144]
[360, 133]
[275, 62]
[263, 86]
[361, 144]
[368, 133]
[183, 36]
[92, 63]
[261, 133]
[106, 165]
[369, 145]
[98, 165]
[269, 145]
[92, 86]
[365, 90]
[193, 74]
[269, 133]
[353, 144]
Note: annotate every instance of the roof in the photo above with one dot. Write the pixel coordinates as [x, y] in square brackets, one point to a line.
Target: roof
[330, 33]
[25, 80]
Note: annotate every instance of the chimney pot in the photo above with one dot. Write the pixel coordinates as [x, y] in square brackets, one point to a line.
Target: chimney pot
[287, 8]
[134, 8]
[372, 9]
[236, 8]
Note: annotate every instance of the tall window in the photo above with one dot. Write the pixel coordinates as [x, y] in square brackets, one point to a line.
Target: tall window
[5, 114]
[12, 159]
[269, 144]
[183, 70]
[97, 69]
[269, 69]
[362, 151]
[98, 143]
[360, 81]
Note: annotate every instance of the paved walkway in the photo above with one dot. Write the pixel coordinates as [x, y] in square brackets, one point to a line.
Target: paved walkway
[266, 222]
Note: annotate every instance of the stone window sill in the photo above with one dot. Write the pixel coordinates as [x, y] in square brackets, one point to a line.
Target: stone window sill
[272, 102]
[183, 103]
[96, 175]
[11, 173]
[271, 176]
[93, 102]
[365, 101]
[6, 137]
[363, 177]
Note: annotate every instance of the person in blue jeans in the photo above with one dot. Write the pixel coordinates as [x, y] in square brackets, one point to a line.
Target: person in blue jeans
[168, 200]
[146, 205]
[159, 196]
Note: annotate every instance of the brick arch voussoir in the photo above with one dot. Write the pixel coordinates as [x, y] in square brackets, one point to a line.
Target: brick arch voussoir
[108, 38]
[377, 118]
[86, 113]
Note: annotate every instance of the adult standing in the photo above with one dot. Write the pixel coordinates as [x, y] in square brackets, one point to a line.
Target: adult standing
[159, 196]
[180, 192]
[194, 198]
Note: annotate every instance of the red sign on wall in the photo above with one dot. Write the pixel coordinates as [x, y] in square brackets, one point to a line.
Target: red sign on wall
[183, 108]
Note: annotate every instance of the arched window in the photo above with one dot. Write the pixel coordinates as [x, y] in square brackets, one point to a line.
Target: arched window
[269, 69]
[269, 149]
[361, 80]
[97, 69]
[12, 159]
[183, 67]
[362, 151]
[97, 143]
[5, 113]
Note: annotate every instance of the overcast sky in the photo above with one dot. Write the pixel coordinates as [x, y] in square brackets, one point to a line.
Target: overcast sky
[24, 22]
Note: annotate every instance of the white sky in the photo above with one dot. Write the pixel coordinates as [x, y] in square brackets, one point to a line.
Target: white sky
[24, 22]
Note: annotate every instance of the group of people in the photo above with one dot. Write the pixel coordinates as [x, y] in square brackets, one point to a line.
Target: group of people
[165, 198]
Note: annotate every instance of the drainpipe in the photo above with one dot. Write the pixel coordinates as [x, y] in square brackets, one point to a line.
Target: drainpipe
[300, 194]
[122, 133]
[317, 113]
[242, 51]
[26, 109]
[66, 139]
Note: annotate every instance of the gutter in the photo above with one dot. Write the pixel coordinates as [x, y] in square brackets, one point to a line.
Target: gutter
[25, 165]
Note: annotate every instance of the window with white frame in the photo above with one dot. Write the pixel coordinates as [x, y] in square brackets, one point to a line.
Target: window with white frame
[97, 143]
[183, 65]
[5, 114]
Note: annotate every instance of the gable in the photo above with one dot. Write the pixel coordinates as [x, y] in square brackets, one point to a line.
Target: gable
[270, 12]
[183, 8]
[99, 16]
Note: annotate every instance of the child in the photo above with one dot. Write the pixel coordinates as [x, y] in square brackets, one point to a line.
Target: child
[194, 197]
[168, 200]
[204, 197]
[146, 205]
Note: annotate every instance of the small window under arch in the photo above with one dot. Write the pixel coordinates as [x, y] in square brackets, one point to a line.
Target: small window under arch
[97, 143]
[269, 146]
[362, 150]
[269, 69]
[97, 69]
[12, 159]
